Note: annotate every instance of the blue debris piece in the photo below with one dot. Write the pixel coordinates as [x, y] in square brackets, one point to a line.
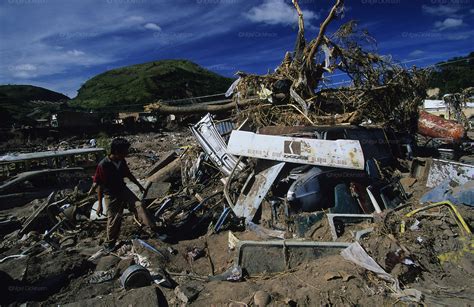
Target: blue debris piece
[463, 194]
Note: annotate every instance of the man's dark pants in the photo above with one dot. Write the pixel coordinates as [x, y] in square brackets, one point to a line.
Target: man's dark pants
[115, 205]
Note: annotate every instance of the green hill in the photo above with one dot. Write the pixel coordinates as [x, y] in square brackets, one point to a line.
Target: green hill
[17, 102]
[453, 75]
[142, 84]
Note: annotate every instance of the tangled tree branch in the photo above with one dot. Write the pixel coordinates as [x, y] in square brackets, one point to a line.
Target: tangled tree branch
[380, 90]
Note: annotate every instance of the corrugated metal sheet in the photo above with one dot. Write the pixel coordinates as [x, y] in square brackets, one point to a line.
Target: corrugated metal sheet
[212, 143]
[225, 127]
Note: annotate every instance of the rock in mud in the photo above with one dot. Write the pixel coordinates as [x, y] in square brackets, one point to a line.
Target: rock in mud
[261, 298]
[186, 294]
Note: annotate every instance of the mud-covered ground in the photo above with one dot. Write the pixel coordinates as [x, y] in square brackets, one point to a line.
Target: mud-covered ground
[435, 257]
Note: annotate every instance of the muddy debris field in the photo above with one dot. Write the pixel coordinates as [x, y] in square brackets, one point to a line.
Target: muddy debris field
[279, 215]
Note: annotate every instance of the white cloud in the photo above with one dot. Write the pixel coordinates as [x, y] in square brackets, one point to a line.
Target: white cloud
[38, 42]
[25, 67]
[134, 19]
[448, 23]
[460, 36]
[415, 53]
[274, 12]
[75, 52]
[23, 71]
[441, 10]
[152, 26]
[61, 41]
[42, 60]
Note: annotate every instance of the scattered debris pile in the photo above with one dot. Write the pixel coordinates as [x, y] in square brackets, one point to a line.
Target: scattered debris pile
[335, 210]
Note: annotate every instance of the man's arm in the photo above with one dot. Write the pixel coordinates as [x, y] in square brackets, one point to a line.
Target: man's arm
[92, 189]
[99, 178]
[135, 181]
[99, 196]
[132, 178]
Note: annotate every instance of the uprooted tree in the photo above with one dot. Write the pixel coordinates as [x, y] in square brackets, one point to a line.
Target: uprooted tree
[380, 91]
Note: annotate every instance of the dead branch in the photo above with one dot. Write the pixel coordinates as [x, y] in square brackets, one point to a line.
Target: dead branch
[322, 31]
[300, 39]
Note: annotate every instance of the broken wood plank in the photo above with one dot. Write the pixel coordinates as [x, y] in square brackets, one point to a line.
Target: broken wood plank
[248, 203]
[165, 160]
[29, 222]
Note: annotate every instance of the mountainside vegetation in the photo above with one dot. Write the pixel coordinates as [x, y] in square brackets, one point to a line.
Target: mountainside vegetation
[20, 102]
[133, 86]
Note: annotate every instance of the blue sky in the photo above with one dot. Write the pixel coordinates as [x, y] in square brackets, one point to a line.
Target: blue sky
[59, 44]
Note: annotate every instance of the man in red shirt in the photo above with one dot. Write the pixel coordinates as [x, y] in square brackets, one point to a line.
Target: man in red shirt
[109, 179]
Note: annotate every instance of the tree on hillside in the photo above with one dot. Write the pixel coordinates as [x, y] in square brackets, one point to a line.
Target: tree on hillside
[454, 75]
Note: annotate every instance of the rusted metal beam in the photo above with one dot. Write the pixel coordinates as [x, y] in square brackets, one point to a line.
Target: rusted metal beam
[436, 127]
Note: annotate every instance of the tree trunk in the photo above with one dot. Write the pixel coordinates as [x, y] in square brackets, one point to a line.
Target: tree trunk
[199, 108]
